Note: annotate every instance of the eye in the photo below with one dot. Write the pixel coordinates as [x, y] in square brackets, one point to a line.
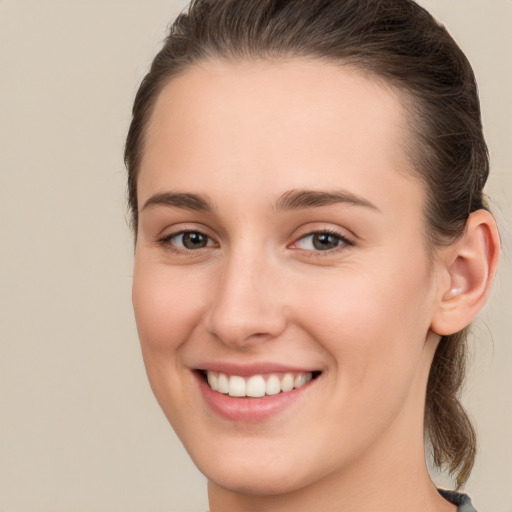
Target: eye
[322, 241]
[188, 240]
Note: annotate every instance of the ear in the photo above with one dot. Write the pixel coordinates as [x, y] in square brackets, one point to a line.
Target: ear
[467, 272]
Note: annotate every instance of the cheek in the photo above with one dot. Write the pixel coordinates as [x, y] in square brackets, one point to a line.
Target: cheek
[167, 310]
[165, 304]
[373, 323]
[370, 326]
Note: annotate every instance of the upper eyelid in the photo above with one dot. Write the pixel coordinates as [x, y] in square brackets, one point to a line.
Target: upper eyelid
[174, 231]
[343, 233]
[330, 231]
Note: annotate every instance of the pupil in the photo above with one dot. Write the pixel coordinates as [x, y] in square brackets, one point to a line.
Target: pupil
[325, 241]
[194, 240]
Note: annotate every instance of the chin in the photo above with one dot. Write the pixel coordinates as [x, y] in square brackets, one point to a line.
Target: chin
[252, 485]
[265, 474]
[255, 481]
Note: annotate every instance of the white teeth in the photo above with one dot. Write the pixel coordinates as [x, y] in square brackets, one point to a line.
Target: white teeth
[237, 386]
[223, 383]
[299, 381]
[287, 383]
[256, 386]
[273, 385]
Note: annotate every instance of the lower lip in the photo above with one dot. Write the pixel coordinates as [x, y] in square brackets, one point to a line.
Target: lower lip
[248, 409]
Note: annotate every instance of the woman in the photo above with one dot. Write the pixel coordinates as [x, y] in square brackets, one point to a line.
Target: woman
[306, 183]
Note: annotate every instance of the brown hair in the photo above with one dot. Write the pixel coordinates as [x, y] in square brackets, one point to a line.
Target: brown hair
[392, 39]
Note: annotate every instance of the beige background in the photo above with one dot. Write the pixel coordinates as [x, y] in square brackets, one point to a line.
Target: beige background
[79, 428]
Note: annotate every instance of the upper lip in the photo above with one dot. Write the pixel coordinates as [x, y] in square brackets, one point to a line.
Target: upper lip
[245, 370]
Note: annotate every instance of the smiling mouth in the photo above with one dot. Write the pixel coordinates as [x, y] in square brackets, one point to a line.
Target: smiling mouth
[256, 386]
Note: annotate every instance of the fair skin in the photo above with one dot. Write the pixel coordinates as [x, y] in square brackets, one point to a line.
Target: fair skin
[271, 278]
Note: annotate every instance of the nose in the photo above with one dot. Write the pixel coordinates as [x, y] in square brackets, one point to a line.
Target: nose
[246, 305]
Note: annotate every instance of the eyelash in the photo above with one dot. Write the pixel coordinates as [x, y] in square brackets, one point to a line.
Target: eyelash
[166, 241]
[344, 242]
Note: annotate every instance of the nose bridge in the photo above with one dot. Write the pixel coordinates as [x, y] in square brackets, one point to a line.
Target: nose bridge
[246, 304]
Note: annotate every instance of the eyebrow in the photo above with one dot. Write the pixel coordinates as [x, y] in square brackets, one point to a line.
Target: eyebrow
[290, 200]
[303, 199]
[187, 201]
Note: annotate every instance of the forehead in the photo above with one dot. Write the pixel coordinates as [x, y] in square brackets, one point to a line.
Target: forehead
[293, 123]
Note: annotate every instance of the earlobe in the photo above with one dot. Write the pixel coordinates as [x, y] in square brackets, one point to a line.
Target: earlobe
[471, 265]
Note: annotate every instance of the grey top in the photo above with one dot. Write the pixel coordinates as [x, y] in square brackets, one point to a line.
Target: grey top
[462, 501]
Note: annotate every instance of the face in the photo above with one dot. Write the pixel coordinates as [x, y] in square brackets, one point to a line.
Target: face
[281, 254]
